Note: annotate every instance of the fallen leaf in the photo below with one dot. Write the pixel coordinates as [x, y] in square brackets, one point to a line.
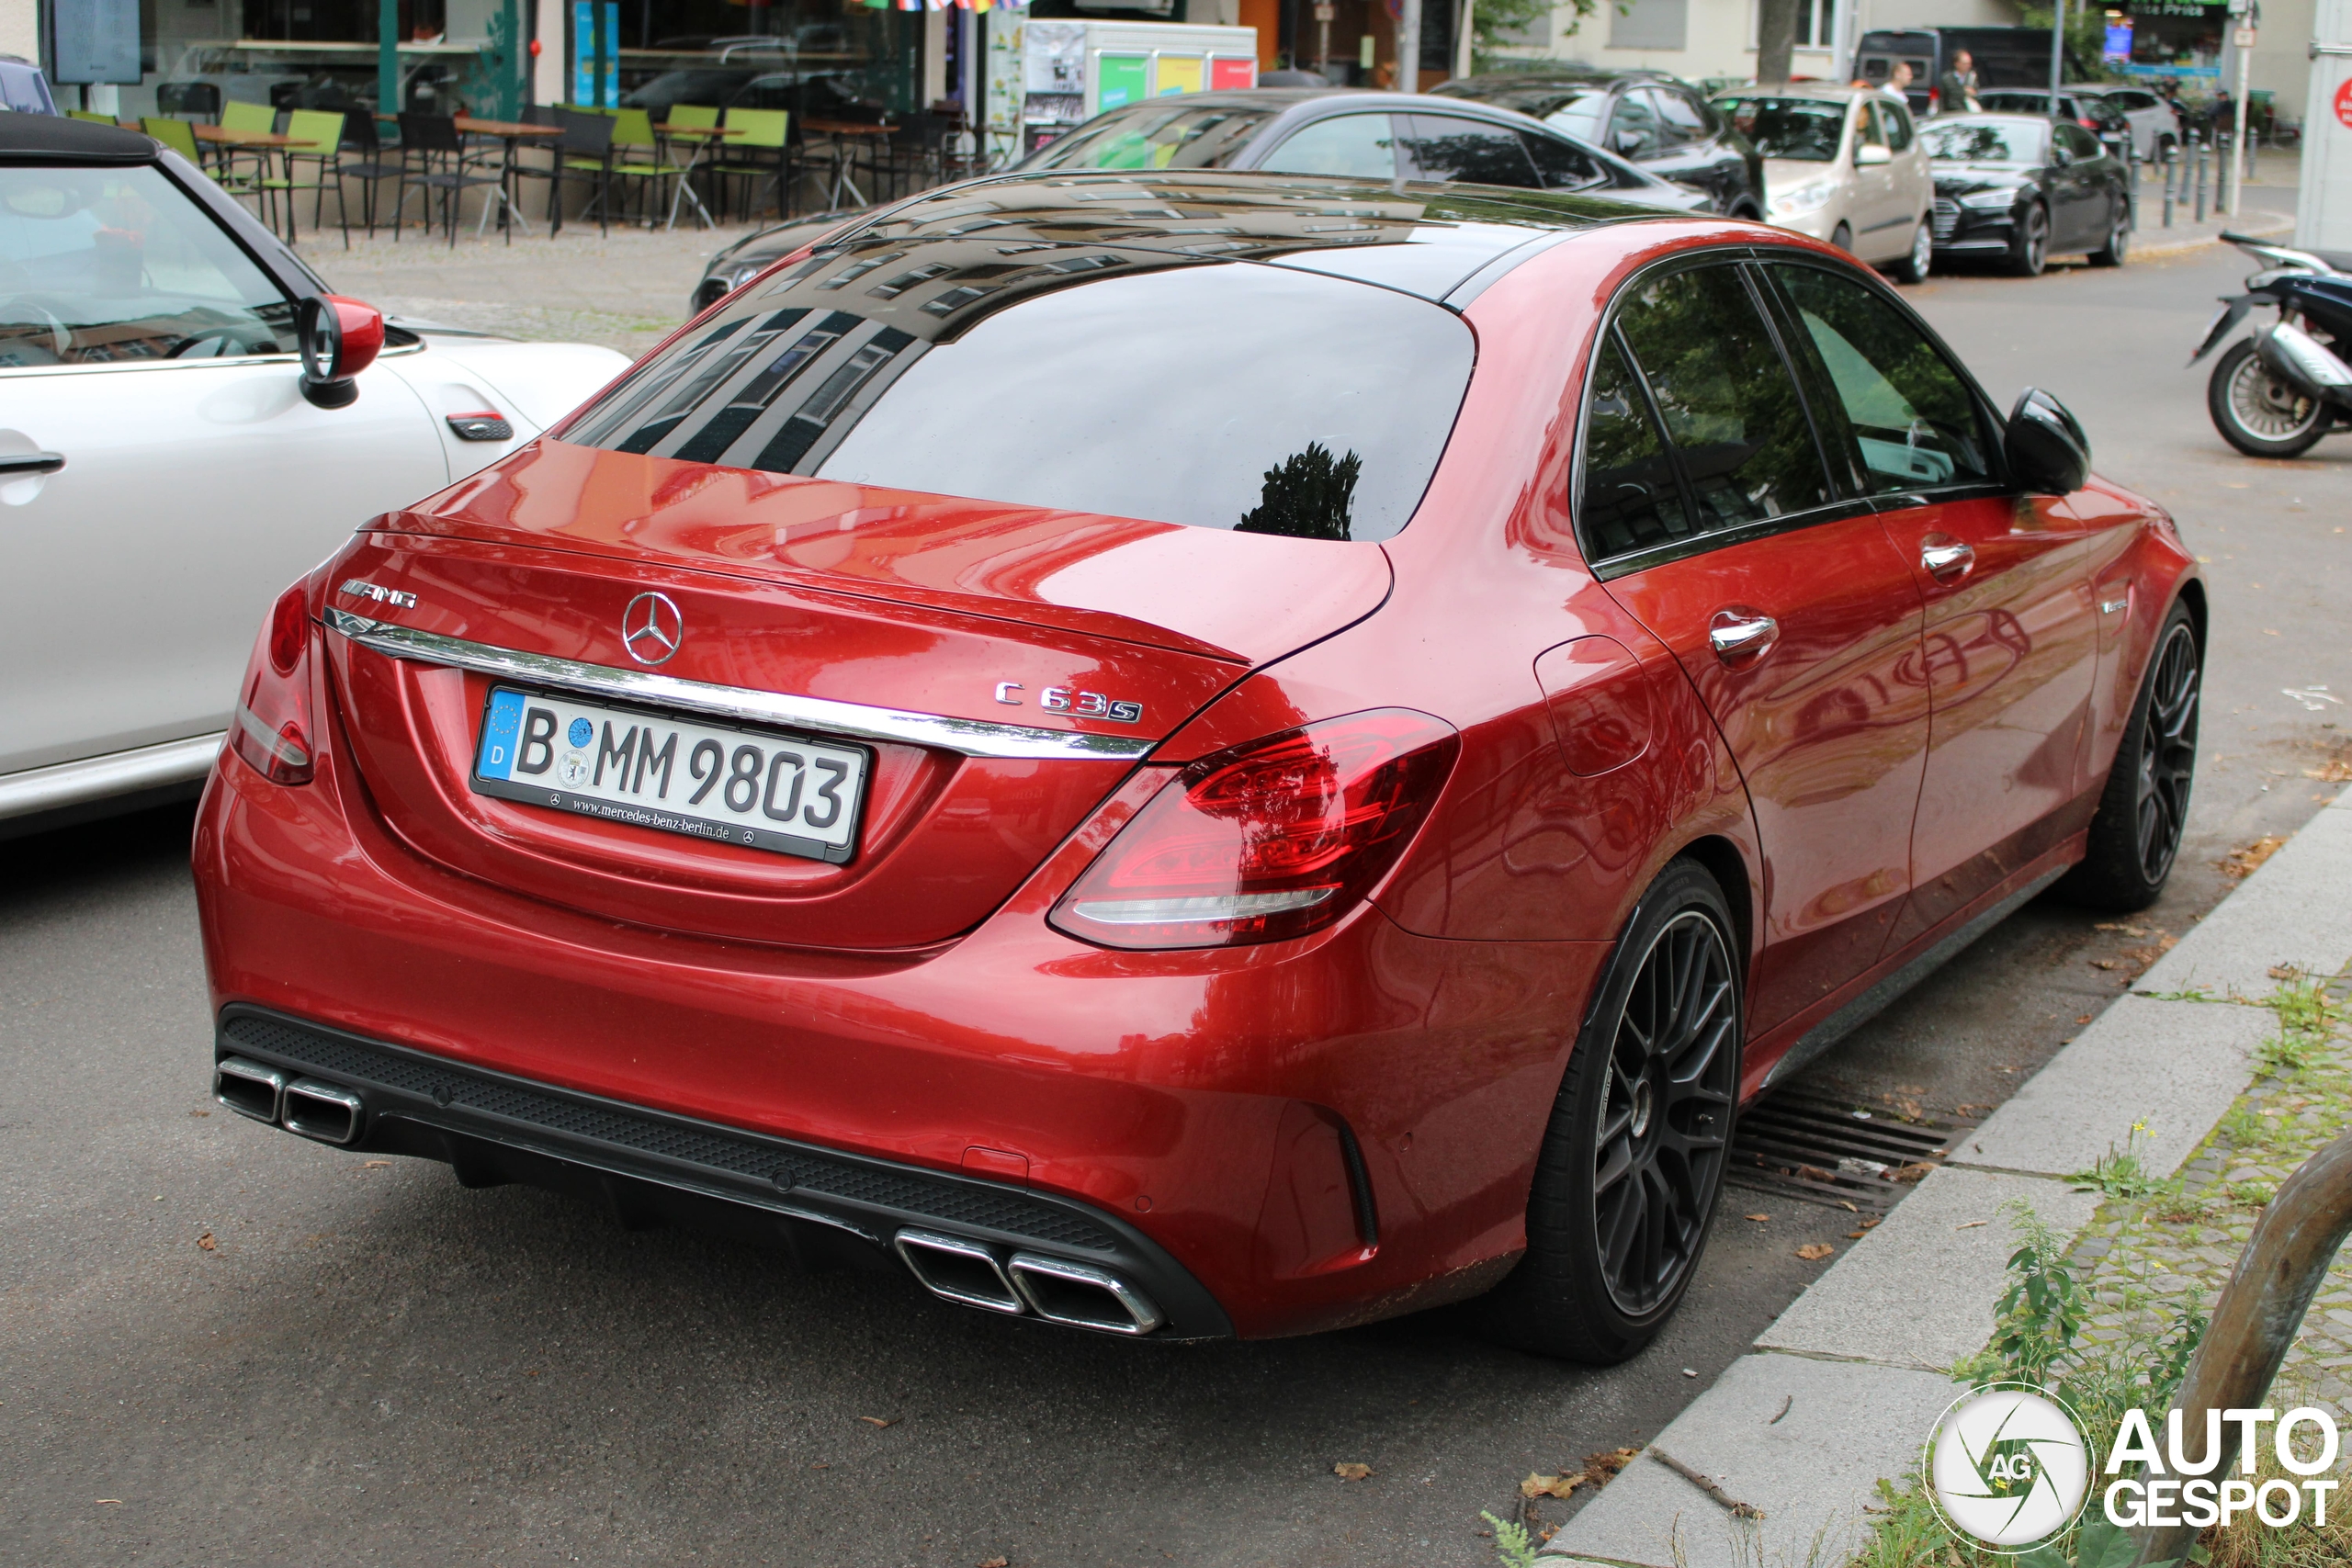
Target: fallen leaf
[1550, 1486]
[1759, 1219]
[205, 1242]
[2285, 972]
[995, 1562]
[374, 1164]
[200, 1113]
[2120, 926]
[1814, 1251]
[1599, 1467]
[2084, 1019]
[2105, 964]
[879, 1420]
[1813, 1173]
[1347, 1472]
[2239, 864]
[109, 1499]
[1973, 1225]
[2336, 771]
[1908, 1172]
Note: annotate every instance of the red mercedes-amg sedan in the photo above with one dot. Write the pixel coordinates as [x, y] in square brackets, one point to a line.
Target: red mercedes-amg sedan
[1196, 754]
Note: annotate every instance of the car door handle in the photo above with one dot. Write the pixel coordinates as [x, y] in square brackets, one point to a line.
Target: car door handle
[1947, 560]
[1740, 636]
[31, 462]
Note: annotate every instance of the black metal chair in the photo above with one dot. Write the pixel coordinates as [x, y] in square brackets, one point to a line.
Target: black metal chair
[188, 101]
[434, 158]
[585, 154]
[362, 144]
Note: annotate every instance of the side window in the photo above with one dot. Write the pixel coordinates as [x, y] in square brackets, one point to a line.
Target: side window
[1870, 125]
[1911, 412]
[1630, 499]
[1681, 120]
[101, 267]
[1443, 148]
[1730, 406]
[1897, 121]
[1562, 167]
[1361, 145]
[2081, 144]
[1633, 125]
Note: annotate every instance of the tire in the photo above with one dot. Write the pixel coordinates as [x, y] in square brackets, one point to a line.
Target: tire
[1843, 238]
[2255, 412]
[1915, 267]
[1632, 1164]
[2119, 238]
[2030, 245]
[2135, 837]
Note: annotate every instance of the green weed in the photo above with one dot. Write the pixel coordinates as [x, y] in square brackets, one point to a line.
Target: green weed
[2122, 1174]
[2247, 1128]
[1512, 1549]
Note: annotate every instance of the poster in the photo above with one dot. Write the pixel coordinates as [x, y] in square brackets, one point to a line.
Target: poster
[587, 44]
[1178, 74]
[1122, 79]
[1229, 74]
[97, 40]
[1055, 54]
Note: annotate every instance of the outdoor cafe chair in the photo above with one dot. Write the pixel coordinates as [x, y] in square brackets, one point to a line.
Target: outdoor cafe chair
[323, 129]
[360, 137]
[761, 154]
[585, 155]
[433, 158]
[192, 100]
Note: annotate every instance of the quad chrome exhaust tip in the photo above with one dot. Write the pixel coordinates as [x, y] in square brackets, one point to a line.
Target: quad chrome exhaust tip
[1078, 1295]
[322, 1110]
[248, 1088]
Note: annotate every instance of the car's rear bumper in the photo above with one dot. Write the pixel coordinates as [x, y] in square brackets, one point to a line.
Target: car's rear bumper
[1280, 1139]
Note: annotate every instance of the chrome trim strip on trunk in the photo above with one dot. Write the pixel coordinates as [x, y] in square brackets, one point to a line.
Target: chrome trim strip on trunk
[971, 736]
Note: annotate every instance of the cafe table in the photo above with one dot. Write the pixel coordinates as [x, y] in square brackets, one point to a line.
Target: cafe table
[262, 144]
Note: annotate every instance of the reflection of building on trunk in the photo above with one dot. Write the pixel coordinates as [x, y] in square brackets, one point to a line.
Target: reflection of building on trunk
[1307, 496]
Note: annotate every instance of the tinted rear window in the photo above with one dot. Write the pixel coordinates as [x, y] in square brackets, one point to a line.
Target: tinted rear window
[1218, 394]
[1973, 141]
[1806, 131]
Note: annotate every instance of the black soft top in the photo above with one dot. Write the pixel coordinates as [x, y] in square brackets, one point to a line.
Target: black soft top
[57, 138]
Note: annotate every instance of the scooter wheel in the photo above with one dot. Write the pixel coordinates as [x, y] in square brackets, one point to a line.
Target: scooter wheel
[2259, 413]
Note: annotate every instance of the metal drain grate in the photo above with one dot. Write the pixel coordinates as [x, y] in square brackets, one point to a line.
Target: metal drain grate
[1834, 1154]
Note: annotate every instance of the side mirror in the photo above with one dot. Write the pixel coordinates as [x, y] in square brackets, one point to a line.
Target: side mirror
[2048, 453]
[340, 338]
[1870, 155]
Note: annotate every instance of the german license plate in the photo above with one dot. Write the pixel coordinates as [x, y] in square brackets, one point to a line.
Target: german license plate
[651, 770]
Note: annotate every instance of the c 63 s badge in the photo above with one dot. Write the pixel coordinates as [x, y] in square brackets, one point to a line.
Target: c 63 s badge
[1065, 699]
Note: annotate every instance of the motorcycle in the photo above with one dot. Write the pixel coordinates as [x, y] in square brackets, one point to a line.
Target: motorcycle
[2275, 391]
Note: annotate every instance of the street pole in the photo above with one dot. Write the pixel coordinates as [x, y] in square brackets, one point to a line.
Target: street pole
[2323, 204]
[387, 57]
[2242, 15]
[1408, 47]
[1465, 61]
[2057, 52]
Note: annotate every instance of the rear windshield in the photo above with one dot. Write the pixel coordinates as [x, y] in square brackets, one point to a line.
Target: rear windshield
[1218, 394]
[1981, 144]
[1805, 129]
[1155, 136]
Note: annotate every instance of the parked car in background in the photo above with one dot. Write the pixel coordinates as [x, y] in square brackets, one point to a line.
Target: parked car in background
[187, 416]
[1648, 117]
[2154, 122]
[1192, 756]
[2093, 112]
[2019, 188]
[1295, 130]
[24, 88]
[1843, 164]
[2004, 57]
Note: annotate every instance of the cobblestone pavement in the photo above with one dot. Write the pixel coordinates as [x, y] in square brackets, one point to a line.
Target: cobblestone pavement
[2142, 1255]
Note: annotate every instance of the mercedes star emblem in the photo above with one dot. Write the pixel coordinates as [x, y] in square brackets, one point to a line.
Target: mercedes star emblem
[652, 628]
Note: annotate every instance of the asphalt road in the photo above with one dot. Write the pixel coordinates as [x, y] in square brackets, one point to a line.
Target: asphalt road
[370, 1364]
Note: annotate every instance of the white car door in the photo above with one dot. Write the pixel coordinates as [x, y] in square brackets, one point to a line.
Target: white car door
[142, 347]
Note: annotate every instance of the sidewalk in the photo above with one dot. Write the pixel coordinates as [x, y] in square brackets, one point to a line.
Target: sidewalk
[1844, 1388]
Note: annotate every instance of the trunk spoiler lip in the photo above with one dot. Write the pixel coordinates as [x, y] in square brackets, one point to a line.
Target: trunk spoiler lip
[972, 738]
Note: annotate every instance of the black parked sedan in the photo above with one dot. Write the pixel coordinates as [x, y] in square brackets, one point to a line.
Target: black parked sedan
[2017, 189]
[1294, 130]
[1658, 121]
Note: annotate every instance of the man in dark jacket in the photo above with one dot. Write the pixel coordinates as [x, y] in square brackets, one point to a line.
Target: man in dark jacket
[1956, 93]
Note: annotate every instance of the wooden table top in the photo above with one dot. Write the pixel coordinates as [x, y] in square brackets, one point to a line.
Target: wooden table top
[511, 129]
[846, 128]
[701, 133]
[220, 135]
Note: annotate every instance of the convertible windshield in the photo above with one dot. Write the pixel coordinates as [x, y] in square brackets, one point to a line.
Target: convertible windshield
[101, 265]
[1089, 378]
[1981, 144]
[1804, 130]
[1155, 136]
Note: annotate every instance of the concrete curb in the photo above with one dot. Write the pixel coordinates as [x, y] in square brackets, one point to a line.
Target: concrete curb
[2160, 241]
[1842, 1389]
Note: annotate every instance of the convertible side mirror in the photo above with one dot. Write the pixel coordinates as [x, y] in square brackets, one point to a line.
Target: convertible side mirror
[2048, 453]
[1870, 155]
[340, 338]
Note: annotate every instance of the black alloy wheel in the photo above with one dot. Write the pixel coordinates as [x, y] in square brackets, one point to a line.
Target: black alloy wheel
[1633, 1162]
[2259, 413]
[2029, 243]
[2119, 237]
[2143, 812]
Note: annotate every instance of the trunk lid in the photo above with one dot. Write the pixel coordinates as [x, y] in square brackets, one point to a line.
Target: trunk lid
[877, 602]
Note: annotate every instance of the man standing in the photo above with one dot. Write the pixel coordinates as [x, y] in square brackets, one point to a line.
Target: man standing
[1957, 92]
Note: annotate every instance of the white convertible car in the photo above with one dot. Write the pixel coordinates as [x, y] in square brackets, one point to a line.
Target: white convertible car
[189, 422]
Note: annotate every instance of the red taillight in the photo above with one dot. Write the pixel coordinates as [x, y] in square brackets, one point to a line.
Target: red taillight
[1269, 840]
[269, 729]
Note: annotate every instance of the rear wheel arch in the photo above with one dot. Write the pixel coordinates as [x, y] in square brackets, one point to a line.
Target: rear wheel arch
[1720, 859]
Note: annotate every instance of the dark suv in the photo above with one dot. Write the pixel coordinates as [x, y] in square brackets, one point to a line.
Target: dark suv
[1648, 117]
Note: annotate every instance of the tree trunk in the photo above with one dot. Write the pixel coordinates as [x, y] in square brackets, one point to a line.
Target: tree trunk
[1776, 40]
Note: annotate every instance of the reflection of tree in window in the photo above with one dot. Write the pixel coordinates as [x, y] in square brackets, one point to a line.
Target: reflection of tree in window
[1912, 416]
[1725, 396]
[1630, 499]
[1307, 496]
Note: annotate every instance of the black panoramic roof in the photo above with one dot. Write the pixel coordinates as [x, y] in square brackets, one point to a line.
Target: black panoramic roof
[56, 139]
[1422, 238]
